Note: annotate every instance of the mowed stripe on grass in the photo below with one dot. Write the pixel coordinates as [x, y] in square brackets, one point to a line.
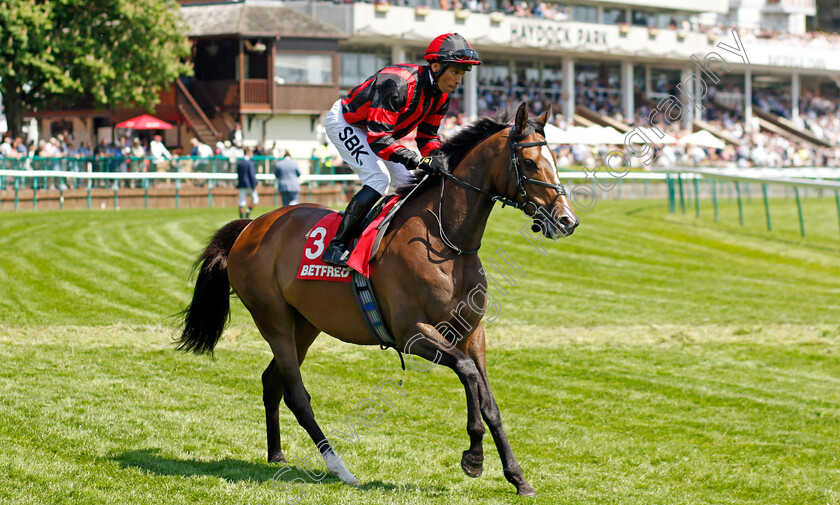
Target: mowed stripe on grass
[595, 415]
[649, 358]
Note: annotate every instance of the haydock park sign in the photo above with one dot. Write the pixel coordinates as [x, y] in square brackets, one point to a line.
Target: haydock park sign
[552, 34]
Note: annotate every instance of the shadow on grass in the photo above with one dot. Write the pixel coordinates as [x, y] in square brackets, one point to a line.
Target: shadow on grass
[232, 470]
[387, 486]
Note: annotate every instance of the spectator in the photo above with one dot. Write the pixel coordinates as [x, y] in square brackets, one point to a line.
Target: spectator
[102, 149]
[117, 162]
[246, 183]
[236, 136]
[137, 154]
[275, 151]
[85, 149]
[201, 152]
[73, 163]
[159, 153]
[6, 150]
[286, 172]
[233, 152]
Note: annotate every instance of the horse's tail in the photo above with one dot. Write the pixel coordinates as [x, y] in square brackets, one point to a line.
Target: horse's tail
[208, 313]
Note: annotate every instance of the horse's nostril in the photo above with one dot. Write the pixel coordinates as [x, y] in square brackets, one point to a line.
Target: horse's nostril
[567, 222]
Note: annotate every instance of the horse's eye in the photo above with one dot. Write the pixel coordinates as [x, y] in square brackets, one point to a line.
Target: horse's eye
[530, 163]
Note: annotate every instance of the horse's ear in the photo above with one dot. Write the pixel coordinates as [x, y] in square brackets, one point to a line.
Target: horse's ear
[544, 117]
[521, 117]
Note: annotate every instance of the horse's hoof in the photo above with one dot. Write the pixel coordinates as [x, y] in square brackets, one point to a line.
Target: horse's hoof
[336, 467]
[526, 490]
[276, 458]
[471, 465]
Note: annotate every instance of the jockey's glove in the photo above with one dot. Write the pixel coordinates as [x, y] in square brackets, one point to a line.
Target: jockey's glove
[432, 165]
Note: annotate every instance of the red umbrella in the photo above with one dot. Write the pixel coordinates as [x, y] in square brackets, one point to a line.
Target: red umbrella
[145, 122]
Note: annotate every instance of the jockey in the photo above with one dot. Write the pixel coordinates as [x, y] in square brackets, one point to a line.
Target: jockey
[367, 125]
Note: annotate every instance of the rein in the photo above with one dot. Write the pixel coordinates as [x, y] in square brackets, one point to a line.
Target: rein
[521, 180]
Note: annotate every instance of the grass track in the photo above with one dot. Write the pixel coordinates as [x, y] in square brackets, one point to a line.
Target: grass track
[650, 358]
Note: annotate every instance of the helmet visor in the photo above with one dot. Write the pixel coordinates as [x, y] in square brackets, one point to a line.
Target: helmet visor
[463, 55]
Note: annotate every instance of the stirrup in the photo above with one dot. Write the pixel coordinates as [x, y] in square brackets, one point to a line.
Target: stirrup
[335, 256]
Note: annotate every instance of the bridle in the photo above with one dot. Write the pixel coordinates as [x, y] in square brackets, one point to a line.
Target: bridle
[520, 181]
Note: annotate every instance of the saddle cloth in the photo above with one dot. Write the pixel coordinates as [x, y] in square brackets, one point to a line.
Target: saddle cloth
[317, 239]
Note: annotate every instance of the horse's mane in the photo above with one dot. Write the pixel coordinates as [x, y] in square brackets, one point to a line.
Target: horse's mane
[457, 146]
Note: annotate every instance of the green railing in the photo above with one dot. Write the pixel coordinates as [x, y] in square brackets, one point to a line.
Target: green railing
[739, 188]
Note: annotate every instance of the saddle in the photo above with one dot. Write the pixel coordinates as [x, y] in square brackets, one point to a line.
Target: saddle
[363, 248]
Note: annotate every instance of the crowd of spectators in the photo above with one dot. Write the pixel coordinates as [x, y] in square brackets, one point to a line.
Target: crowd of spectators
[125, 149]
[813, 38]
[818, 115]
[560, 12]
[128, 154]
[723, 109]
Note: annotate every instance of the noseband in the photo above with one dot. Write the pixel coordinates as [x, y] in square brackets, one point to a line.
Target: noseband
[513, 168]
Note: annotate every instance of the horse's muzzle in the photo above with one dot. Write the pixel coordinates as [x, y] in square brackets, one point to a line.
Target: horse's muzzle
[555, 227]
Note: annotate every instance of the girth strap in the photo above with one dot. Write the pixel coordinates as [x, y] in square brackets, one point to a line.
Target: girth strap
[372, 315]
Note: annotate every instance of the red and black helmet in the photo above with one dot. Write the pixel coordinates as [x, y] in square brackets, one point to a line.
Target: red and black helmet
[452, 49]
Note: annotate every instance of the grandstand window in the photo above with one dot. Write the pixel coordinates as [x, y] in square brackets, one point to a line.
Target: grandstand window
[644, 18]
[585, 14]
[493, 74]
[527, 72]
[356, 67]
[552, 74]
[614, 16]
[303, 68]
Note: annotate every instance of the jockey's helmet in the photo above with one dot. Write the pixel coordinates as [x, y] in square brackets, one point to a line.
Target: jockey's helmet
[452, 49]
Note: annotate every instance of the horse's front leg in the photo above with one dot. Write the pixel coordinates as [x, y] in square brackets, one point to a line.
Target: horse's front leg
[474, 347]
[429, 344]
[472, 460]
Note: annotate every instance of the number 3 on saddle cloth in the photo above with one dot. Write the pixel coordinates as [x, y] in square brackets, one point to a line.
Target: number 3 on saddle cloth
[311, 266]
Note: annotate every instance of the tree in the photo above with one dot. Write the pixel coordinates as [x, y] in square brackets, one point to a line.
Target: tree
[121, 52]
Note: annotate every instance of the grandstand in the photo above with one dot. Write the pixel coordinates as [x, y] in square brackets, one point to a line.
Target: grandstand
[770, 97]
[772, 94]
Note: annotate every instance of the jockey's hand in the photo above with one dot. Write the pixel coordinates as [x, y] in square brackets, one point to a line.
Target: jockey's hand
[432, 165]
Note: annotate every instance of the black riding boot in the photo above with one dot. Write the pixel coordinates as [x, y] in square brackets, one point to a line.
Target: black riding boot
[336, 253]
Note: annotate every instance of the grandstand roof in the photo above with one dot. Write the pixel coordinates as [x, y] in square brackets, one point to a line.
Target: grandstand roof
[263, 20]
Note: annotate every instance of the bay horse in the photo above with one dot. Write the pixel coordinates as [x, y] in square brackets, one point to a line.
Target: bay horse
[422, 275]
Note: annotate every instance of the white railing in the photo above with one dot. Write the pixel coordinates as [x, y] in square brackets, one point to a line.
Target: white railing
[819, 178]
[807, 178]
[166, 176]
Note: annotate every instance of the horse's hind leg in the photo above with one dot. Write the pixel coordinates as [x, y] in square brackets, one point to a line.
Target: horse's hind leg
[272, 396]
[273, 387]
[276, 327]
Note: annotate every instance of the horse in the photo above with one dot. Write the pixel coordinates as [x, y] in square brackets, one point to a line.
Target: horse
[423, 274]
